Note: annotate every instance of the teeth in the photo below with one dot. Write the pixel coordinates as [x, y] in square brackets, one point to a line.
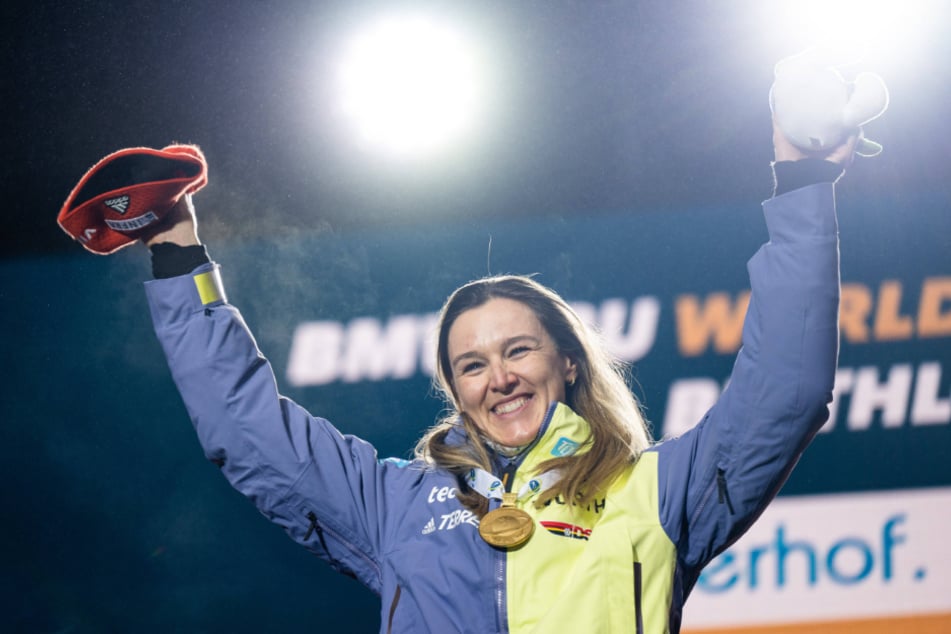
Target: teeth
[511, 406]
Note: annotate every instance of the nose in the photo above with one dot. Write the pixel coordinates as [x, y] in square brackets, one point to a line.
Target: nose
[500, 378]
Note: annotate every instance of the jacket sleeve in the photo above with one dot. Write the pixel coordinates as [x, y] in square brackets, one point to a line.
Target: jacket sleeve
[717, 478]
[323, 488]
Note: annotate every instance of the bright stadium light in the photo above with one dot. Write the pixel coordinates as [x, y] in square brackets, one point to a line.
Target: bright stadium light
[893, 30]
[410, 86]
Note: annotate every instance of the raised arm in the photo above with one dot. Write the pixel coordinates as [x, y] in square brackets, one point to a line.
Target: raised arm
[324, 488]
[717, 478]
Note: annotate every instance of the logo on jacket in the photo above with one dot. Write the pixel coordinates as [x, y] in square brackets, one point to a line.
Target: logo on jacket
[442, 494]
[451, 521]
[563, 529]
[565, 447]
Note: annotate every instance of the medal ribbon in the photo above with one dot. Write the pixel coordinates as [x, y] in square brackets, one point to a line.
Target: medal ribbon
[491, 487]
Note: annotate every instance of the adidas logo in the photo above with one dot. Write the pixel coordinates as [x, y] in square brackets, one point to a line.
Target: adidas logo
[119, 203]
[430, 526]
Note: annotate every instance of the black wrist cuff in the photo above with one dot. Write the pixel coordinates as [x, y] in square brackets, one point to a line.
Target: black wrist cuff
[790, 175]
[172, 260]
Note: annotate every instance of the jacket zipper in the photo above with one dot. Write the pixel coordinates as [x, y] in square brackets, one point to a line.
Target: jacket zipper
[638, 593]
[396, 599]
[315, 527]
[508, 478]
[500, 590]
[723, 495]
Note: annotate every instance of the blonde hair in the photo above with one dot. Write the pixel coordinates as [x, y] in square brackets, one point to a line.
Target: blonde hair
[600, 395]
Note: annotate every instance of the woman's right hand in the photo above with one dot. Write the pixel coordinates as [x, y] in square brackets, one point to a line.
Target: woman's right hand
[179, 226]
[786, 150]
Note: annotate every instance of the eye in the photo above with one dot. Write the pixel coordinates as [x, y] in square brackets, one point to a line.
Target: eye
[518, 350]
[470, 367]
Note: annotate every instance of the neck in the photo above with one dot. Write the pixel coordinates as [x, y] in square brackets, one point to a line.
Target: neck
[506, 450]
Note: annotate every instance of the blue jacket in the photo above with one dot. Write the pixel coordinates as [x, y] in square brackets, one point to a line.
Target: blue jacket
[625, 563]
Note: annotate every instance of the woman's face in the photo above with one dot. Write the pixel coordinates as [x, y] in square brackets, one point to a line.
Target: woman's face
[506, 370]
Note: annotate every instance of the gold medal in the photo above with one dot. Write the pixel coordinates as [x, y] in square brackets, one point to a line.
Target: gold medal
[507, 526]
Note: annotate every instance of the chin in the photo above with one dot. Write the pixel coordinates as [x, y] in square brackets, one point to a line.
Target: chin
[514, 438]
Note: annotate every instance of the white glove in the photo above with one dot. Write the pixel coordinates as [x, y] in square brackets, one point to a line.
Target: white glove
[817, 109]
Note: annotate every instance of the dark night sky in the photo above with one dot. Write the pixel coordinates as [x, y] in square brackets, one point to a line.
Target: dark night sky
[598, 107]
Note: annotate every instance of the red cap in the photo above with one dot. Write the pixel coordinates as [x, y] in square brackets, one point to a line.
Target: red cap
[128, 191]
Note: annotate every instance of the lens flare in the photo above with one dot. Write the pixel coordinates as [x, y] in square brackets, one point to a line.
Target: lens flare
[410, 85]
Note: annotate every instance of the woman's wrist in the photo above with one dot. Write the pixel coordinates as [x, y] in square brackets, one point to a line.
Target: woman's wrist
[790, 175]
[171, 260]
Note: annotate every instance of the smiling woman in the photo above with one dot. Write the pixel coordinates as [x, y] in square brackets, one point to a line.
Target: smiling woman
[508, 349]
[410, 85]
[506, 370]
[541, 431]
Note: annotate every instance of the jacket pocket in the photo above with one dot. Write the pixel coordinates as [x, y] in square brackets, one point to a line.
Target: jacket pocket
[341, 553]
[723, 493]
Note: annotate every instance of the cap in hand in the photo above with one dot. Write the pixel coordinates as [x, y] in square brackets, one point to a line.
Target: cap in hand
[128, 192]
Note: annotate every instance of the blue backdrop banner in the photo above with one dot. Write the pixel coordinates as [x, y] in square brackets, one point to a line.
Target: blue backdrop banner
[116, 522]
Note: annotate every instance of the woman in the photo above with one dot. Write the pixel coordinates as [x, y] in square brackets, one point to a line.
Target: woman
[539, 503]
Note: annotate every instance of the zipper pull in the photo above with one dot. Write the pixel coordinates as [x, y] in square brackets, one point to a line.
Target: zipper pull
[508, 476]
[313, 525]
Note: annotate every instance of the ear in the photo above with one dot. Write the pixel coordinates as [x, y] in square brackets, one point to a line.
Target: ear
[571, 371]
